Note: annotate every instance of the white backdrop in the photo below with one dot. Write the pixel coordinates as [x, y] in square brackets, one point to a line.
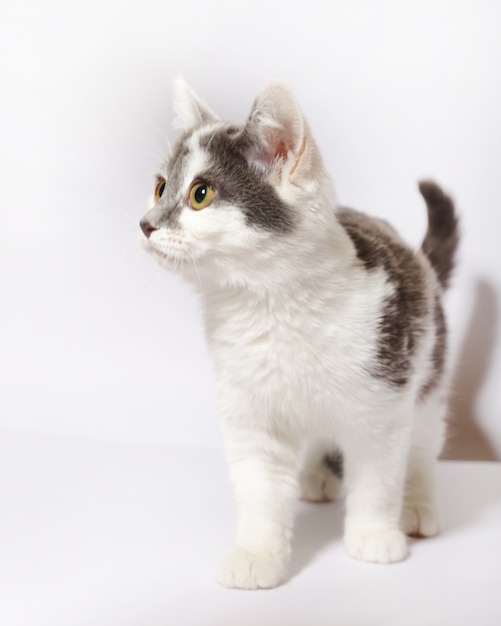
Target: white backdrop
[95, 340]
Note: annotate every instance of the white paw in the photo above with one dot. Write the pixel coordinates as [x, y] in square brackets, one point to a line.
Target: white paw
[319, 486]
[376, 545]
[420, 519]
[242, 569]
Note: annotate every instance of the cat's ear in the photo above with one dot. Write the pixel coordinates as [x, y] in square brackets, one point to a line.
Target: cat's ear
[283, 137]
[189, 110]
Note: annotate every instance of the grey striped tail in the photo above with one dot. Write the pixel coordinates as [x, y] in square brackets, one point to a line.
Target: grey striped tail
[442, 237]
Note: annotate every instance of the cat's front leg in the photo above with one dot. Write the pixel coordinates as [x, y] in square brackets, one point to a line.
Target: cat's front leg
[263, 471]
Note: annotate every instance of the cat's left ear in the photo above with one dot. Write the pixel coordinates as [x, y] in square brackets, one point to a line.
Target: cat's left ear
[283, 138]
[189, 110]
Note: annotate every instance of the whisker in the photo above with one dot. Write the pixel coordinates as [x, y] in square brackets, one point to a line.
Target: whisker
[160, 151]
[157, 151]
[160, 128]
[165, 135]
[146, 284]
[198, 276]
[112, 215]
[130, 249]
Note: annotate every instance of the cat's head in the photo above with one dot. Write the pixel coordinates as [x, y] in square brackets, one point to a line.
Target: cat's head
[230, 197]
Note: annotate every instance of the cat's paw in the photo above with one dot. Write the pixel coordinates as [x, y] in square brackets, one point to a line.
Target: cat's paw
[318, 486]
[420, 519]
[383, 545]
[244, 569]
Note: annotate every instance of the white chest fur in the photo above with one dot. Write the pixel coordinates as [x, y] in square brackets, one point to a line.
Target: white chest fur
[298, 354]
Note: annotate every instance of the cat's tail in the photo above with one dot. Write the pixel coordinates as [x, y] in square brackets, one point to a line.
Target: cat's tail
[442, 237]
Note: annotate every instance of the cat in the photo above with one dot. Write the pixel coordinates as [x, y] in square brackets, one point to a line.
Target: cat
[327, 332]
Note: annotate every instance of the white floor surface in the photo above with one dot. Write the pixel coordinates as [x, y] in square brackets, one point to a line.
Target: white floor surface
[105, 534]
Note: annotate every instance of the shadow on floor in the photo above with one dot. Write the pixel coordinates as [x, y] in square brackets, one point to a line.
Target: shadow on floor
[317, 526]
[467, 441]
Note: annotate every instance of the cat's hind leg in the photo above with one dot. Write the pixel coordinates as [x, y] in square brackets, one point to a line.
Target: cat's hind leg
[375, 462]
[419, 515]
[321, 473]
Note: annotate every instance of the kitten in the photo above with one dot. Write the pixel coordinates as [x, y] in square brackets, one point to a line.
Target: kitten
[327, 332]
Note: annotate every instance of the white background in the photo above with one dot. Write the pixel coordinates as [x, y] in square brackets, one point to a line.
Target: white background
[95, 340]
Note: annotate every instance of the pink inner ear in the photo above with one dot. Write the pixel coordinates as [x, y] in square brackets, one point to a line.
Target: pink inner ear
[261, 160]
[281, 150]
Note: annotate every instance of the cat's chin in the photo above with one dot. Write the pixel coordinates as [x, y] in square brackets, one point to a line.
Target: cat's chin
[171, 262]
[180, 264]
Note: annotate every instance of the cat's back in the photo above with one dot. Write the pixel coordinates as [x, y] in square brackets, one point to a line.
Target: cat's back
[406, 314]
[378, 246]
[375, 239]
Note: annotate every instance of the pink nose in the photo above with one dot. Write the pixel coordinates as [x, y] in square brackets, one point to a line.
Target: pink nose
[147, 228]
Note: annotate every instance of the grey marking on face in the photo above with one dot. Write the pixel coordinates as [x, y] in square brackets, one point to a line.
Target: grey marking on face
[170, 204]
[237, 183]
[177, 164]
[166, 212]
[402, 320]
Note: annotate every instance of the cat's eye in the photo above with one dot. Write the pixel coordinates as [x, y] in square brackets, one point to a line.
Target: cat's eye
[201, 196]
[159, 189]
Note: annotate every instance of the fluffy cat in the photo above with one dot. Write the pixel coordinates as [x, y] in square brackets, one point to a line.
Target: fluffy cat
[326, 330]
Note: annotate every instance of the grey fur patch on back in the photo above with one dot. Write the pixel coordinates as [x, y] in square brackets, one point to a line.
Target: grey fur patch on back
[236, 182]
[439, 349]
[401, 322]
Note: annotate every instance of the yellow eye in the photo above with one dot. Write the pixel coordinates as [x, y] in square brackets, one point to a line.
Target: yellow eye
[159, 189]
[201, 196]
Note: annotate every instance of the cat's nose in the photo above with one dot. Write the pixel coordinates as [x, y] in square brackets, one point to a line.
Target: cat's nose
[147, 228]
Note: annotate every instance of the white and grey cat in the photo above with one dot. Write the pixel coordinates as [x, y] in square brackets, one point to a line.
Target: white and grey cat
[326, 330]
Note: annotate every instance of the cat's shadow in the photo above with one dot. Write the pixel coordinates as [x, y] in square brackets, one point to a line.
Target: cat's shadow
[320, 525]
[467, 440]
[317, 526]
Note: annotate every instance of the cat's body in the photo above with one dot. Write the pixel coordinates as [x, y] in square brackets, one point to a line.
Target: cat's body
[326, 330]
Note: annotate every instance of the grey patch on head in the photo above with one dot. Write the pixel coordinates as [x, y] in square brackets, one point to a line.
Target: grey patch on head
[176, 164]
[334, 462]
[236, 182]
[439, 350]
[403, 318]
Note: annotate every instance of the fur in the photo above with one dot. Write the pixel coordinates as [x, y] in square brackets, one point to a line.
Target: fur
[326, 331]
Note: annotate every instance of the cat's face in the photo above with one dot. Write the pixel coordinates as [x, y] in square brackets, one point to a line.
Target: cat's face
[229, 193]
[211, 201]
